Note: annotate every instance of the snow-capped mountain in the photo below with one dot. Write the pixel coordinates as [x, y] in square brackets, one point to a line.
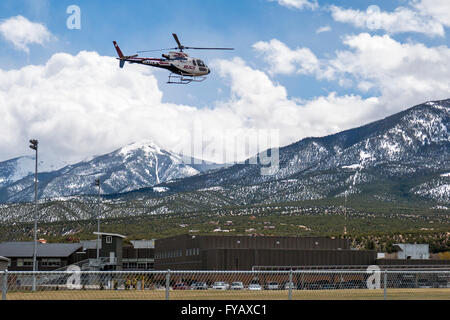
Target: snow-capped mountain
[15, 169]
[400, 161]
[405, 155]
[141, 164]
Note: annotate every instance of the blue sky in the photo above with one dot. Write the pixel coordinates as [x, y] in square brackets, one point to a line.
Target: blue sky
[142, 25]
[149, 24]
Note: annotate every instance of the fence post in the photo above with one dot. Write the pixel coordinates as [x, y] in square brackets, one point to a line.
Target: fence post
[167, 284]
[290, 285]
[5, 285]
[385, 284]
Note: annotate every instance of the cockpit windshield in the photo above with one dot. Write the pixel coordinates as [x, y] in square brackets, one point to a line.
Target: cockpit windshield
[200, 63]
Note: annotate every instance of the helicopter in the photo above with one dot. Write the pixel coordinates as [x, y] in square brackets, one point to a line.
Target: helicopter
[183, 68]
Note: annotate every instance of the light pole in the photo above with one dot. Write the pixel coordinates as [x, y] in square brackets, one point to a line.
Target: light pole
[34, 146]
[97, 183]
[345, 214]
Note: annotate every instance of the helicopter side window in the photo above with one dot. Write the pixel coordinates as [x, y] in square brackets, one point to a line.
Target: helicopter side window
[195, 64]
[200, 63]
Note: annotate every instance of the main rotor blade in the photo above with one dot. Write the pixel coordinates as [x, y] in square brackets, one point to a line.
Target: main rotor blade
[176, 39]
[198, 48]
[157, 50]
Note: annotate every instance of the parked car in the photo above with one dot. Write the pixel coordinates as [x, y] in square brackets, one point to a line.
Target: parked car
[329, 286]
[180, 286]
[315, 285]
[407, 283]
[289, 284]
[220, 285]
[348, 285]
[272, 285]
[237, 285]
[254, 286]
[424, 283]
[199, 286]
[442, 283]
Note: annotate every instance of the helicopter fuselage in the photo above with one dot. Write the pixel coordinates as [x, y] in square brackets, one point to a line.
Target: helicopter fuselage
[180, 63]
[176, 62]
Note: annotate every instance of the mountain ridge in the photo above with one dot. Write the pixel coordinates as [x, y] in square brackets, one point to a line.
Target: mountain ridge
[410, 148]
[398, 145]
[135, 165]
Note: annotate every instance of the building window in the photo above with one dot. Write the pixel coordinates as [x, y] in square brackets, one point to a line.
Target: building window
[108, 239]
[24, 262]
[51, 262]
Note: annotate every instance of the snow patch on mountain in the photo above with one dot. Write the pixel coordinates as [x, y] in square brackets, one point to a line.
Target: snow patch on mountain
[15, 169]
[146, 146]
[160, 189]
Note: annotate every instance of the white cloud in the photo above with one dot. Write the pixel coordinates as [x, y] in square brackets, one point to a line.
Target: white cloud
[403, 73]
[283, 60]
[298, 4]
[21, 32]
[438, 9]
[83, 105]
[264, 104]
[323, 29]
[400, 20]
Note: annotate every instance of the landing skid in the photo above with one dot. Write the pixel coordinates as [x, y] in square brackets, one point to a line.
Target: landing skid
[184, 79]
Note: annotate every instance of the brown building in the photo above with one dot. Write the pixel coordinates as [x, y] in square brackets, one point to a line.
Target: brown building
[138, 256]
[188, 252]
[49, 256]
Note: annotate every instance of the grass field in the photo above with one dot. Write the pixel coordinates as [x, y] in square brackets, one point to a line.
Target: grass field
[356, 294]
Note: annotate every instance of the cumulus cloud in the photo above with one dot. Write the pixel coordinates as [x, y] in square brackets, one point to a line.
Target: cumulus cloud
[403, 73]
[298, 4]
[21, 32]
[438, 9]
[84, 105]
[401, 20]
[323, 29]
[284, 60]
[400, 74]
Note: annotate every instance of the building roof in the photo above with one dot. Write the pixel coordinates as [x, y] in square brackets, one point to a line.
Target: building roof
[143, 244]
[90, 244]
[110, 234]
[26, 249]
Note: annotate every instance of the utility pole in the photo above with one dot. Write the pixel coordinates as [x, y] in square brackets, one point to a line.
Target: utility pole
[34, 146]
[345, 214]
[97, 183]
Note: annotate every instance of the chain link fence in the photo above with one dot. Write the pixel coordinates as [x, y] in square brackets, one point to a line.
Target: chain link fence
[372, 283]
